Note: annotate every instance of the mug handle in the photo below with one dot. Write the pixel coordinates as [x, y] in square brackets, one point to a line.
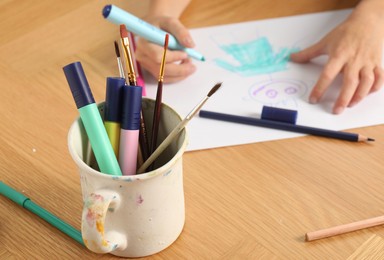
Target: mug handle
[96, 207]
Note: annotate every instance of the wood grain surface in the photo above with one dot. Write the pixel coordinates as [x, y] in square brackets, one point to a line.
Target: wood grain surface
[253, 201]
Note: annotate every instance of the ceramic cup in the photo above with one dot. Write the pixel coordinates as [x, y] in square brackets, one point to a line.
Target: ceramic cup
[138, 215]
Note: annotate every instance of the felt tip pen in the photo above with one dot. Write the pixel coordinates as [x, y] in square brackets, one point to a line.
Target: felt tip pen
[112, 111]
[26, 203]
[90, 116]
[149, 32]
[130, 125]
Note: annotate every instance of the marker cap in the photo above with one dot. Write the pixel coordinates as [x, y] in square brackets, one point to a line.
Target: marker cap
[279, 114]
[132, 96]
[78, 84]
[14, 195]
[107, 10]
[113, 99]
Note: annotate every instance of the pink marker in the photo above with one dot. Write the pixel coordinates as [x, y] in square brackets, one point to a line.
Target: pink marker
[130, 125]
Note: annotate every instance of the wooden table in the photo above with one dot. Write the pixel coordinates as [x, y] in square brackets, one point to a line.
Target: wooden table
[247, 201]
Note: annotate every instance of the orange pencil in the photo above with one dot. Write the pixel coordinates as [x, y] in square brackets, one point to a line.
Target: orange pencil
[342, 229]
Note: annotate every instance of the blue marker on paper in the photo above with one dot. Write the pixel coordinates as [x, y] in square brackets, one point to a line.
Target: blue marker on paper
[90, 116]
[153, 34]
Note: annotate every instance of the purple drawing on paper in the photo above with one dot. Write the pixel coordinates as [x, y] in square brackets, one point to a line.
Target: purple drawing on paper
[139, 199]
[283, 92]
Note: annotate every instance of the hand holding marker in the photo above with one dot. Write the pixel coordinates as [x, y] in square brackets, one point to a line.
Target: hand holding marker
[149, 32]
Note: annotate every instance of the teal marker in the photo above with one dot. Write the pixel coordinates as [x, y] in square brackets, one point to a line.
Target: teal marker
[90, 116]
[26, 203]
[149, 32]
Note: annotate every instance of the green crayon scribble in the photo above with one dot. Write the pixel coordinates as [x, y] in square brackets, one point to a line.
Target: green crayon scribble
[255, 57]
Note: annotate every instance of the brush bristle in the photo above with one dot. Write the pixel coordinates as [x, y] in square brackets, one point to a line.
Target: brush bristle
[214, 89]
[166, 41]
[123, 31]
[117, 51]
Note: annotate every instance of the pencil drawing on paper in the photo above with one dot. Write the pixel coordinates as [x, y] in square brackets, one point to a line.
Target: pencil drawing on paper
[254, 57]
[278, 92]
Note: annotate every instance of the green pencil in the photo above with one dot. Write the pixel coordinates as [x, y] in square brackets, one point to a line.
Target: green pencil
[25, 202]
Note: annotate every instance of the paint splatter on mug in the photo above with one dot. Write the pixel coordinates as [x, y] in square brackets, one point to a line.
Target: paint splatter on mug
[138, 215]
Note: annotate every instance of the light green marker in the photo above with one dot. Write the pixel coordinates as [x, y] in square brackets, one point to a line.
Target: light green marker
[90, 116]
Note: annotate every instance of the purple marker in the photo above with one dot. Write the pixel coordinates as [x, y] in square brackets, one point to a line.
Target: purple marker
[130, 125]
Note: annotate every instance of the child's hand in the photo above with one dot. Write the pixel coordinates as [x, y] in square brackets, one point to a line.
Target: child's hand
[355, 50]
[178, 64]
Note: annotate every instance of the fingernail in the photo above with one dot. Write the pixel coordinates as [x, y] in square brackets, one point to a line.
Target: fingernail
[188, 42]
[184, 55]
[192, 69]
[352, 104]
[338, 110]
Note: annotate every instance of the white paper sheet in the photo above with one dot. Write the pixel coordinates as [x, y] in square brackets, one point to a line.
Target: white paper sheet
[245, 91]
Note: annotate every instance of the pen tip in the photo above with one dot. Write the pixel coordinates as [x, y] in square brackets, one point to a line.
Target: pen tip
[214, 89]
[202, 59]
[117, 51]
[371, 139]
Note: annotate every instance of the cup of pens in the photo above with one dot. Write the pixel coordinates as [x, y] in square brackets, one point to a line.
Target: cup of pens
[135, 215]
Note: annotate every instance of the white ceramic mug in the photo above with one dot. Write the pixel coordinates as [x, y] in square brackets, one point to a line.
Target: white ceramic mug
[138, 215]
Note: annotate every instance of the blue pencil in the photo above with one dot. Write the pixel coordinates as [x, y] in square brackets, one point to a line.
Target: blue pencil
[285, 126]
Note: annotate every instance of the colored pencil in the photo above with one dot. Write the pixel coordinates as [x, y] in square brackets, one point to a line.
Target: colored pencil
[285, 126]
[342, 229]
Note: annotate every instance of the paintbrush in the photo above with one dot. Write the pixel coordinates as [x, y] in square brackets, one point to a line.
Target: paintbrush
[157, 110]
[136, 65]
[168, 140]
[131, 75]
[119, 64]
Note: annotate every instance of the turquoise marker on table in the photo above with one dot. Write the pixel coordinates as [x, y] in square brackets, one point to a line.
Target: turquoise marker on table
[26, 203]
[149, 32]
